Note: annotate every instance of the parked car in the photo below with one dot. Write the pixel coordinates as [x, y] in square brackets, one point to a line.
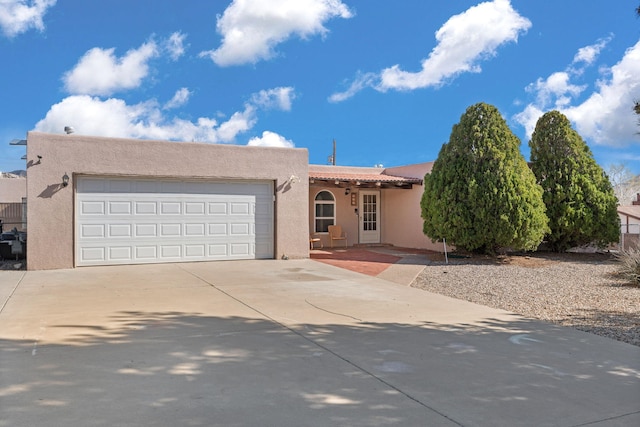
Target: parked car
[4, 237]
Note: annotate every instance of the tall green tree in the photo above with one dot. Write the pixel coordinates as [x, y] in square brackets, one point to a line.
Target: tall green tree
[480, 194]
[581, 203]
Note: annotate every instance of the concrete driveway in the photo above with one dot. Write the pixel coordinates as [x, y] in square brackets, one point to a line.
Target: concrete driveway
[290, 343]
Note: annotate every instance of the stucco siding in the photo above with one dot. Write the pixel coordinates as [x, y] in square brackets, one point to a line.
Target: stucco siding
[402, 222]
[12, 190]
[51, 206]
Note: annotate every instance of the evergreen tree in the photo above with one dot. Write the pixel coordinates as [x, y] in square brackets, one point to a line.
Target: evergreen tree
[581, 204]
[480, 194]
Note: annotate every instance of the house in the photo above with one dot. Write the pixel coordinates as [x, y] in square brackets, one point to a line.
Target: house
[630, 224]
[105, 201]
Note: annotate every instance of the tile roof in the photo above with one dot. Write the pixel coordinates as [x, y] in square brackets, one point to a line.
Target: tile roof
[341, 173]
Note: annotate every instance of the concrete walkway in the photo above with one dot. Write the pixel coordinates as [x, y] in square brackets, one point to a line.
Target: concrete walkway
[290, 343]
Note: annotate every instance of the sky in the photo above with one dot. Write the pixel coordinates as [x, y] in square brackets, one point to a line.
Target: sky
[385, 79]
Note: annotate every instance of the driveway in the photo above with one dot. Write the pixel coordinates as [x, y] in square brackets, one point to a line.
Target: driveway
[290, 343]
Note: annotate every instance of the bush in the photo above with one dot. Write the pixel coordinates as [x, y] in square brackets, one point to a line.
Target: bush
[629, 266]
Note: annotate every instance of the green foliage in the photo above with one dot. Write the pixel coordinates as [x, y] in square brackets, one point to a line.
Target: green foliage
[629, 265]
[581, 204]
[480, 194]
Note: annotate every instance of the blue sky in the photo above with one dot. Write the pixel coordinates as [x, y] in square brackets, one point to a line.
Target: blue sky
[386, 79]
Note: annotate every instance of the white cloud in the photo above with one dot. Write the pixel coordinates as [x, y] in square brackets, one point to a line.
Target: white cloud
[606, 116]
[18, 16]
[180, 98]
[100, 72]
[361, 81]
[556, 86]
[175, 45]
[147, 120]
[240, 121]
[462, 42]
[280, 97]
[528, 118]
[271, 139]
[589, 54]
[251, 29]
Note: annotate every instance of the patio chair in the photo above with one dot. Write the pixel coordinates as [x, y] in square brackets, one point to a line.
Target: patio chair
[336, 233]
[314, 239]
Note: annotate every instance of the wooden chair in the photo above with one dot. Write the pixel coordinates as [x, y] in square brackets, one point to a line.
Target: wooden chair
[314, 239]
[336, 233]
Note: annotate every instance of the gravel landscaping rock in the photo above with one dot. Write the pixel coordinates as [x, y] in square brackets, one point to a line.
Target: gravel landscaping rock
[582, 291]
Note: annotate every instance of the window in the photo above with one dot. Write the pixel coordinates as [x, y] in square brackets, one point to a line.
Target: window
[325, 211]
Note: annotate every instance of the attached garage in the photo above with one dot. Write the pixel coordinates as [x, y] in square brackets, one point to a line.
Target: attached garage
[136, 221]
[113, 201]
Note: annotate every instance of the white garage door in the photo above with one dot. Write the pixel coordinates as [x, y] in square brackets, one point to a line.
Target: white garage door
[135, 221]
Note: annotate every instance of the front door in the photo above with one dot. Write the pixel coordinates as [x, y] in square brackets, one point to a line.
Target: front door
[369, 217]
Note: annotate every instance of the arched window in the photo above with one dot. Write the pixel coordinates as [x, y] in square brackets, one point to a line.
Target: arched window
[325, 211]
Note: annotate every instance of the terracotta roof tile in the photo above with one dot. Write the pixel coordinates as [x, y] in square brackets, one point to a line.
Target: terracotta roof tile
[346, 173]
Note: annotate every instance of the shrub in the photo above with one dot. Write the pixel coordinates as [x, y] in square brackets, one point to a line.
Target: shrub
[629, 265]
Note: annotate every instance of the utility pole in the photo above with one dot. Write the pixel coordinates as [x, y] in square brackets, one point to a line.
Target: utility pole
[332, 158]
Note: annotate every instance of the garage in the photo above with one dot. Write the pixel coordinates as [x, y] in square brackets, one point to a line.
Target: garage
[138, 221]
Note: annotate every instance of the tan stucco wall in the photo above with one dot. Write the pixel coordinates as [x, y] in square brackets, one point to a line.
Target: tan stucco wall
[51, 206]
[402, 219]
[12, 190]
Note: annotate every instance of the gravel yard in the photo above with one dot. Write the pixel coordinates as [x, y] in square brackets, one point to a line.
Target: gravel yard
[582, 291]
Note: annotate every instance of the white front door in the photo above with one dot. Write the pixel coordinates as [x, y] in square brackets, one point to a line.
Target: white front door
[369, 217]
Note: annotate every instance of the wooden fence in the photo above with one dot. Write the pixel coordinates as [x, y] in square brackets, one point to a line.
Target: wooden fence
[630, 236]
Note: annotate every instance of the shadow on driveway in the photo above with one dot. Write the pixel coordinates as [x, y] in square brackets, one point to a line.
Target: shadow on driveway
[187, 369]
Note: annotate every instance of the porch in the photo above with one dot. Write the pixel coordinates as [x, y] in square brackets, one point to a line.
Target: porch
[372, 206]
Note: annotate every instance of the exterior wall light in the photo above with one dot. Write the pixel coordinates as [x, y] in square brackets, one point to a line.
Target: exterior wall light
[347, 191]
[65, 180]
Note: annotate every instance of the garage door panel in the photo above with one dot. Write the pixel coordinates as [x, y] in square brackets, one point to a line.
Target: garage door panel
[170, 251]
[119, 230]
[170, 208]
[146, 208]
[148, 252]
[239, 229]
[195, 251]
[92, 254]
[92, 208]
[142, 221]
[194, 208]
[88, 231]
[170, 230]
[239, 208]
[218, 208]
[120, 253]
[194, 230]
[240, 249]
[218, 251]
[218, 229]
[146, 230]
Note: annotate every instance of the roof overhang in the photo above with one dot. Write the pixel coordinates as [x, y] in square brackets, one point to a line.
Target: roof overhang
[364, 179]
